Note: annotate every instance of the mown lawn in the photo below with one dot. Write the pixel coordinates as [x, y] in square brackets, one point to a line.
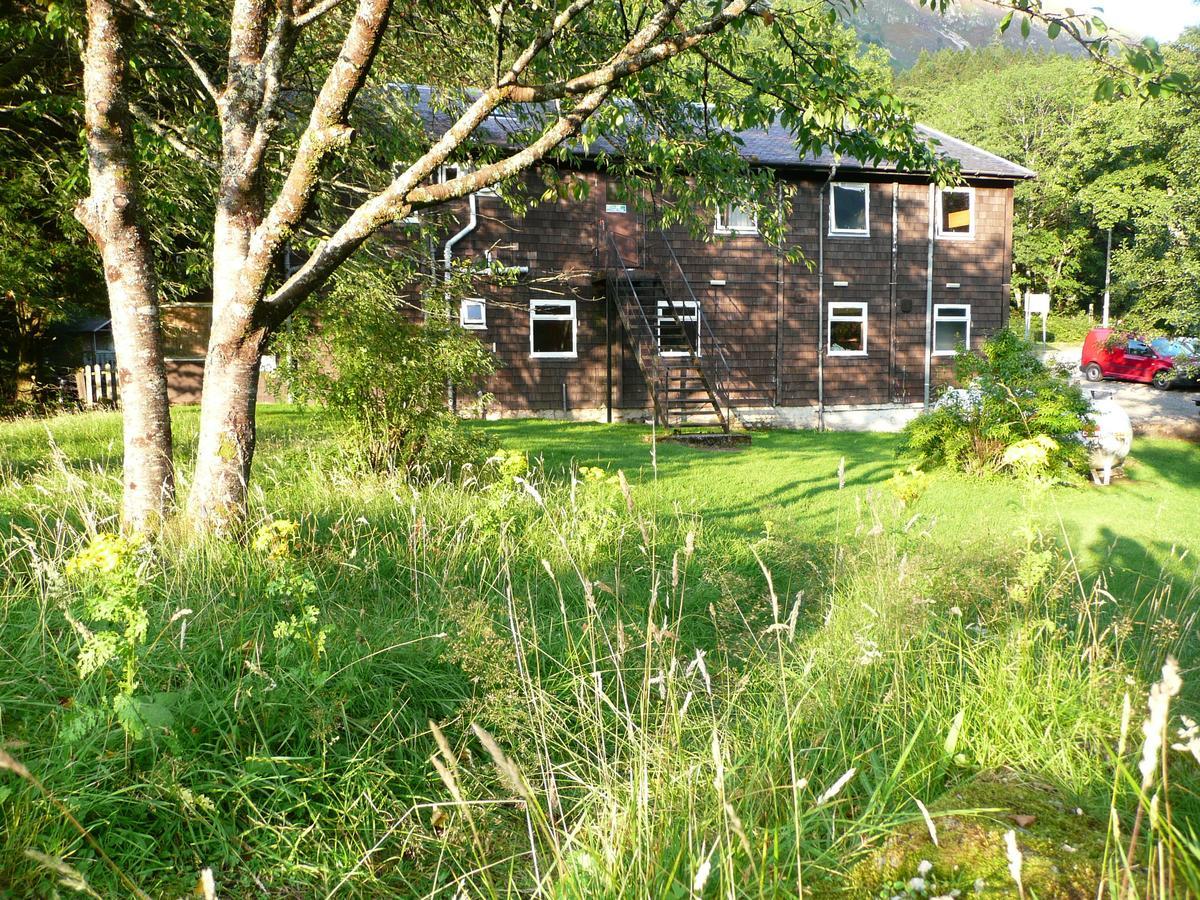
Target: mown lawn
[680, 674]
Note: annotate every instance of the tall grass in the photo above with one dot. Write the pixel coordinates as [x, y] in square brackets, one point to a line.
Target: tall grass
[555, 685]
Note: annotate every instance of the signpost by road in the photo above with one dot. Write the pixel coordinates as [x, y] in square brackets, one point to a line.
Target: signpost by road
[1036, 304]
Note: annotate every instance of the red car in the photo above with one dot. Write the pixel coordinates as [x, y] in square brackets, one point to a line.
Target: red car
[1109, 354]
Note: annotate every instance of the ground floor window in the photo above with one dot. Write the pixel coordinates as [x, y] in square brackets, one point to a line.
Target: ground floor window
[472, 313]
[552, 328]
[951, 328]
[847, 329]
[681, 331]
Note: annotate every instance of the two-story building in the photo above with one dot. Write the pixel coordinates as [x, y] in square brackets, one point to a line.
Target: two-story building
[604, 317]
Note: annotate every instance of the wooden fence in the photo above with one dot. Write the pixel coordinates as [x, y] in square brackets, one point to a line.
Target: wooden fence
[97, 385]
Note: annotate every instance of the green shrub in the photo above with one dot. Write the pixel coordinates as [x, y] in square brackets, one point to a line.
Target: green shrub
[1015, 416]
[383, 378]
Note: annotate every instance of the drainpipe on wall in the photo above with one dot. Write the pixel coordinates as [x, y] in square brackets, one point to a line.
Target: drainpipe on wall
[892, 288]
[780, 317]
[821, 300]
[929, 299]
[447, 260]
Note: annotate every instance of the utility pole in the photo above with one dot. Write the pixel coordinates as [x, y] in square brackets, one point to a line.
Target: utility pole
[1107, 276]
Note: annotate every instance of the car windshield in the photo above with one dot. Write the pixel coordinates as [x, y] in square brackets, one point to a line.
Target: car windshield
[1172, 347]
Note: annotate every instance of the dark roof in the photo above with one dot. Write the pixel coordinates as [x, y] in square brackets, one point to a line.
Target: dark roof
[772, 146]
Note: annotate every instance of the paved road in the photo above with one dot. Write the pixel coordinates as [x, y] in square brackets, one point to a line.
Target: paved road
[1170, 413]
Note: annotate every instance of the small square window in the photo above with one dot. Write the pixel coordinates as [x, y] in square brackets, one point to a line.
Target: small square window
[951, 328]
[472, 313]
[552, 329]
[734, 219]
[956, 213]
[849, 209]
[847, 329]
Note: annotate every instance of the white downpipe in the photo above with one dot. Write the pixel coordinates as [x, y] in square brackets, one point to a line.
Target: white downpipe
[448, 259]
[472, 223]
[929, 299]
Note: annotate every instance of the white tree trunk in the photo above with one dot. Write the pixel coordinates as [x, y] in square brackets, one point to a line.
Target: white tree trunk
[112, 216]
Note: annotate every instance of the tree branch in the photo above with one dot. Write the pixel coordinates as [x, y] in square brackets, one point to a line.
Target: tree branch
[167, 30]
[627, 64]
[171, 136]
[315, 10]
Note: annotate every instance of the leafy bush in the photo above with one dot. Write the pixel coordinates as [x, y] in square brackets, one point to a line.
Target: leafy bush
[383, 378]
[1015, 415]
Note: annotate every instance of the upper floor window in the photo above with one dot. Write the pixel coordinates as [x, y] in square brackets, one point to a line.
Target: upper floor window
[472, 313]
[847, 329]
[734, 219]
[956, 212]
[552, 329]
[450, 171]
[951, 328]
[849, 209]
[615, 199]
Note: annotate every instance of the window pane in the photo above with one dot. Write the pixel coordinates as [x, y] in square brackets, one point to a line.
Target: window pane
[956, 212]
[553, 335]
[552, 309]
[948, 335]
[849, 208]
[846, 336]
[841, 312]
[738, 219]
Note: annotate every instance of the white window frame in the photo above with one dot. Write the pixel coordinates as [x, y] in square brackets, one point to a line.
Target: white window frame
[954, 235]
[940, 316]
[862, 317]
[685, 311]
[461, 168]
[481, 325]
[723, 216]
[834, 231]
[574, 319]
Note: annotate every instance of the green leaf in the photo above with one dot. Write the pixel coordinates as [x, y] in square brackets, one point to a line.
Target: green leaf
[1053, 29]
[951, 744]
[1025, 27]
[1006, 21]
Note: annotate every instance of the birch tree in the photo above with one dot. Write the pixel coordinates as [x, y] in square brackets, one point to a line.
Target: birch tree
[283, 106]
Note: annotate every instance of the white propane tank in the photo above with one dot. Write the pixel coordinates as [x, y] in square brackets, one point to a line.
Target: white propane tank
[1110, 442]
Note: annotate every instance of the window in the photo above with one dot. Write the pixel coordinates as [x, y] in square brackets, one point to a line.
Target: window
[956, 213]
[1137, 347]
[951, 328]
[847, 329]
[678, 332]
[733, 219]
[450, 171]
[473, 313]
[615, 200]
[552, 328]
[849, 209]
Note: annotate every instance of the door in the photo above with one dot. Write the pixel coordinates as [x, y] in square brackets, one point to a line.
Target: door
[1137, 362]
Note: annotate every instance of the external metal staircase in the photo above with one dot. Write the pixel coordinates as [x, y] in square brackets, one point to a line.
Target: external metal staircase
[692, 384]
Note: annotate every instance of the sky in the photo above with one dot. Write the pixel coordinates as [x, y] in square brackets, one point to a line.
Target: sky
[1161, 19]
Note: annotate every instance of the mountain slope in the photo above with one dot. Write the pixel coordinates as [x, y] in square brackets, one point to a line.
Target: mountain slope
[905, 29]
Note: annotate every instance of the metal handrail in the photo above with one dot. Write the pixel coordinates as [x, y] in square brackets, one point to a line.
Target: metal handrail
[702, 319]
[654, 367]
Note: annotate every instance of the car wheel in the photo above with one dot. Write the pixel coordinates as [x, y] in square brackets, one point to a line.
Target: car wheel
[1093, 372]
[1162, 379]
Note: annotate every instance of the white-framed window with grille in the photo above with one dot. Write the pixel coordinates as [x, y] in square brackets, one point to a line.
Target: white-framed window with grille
[847, 329]
[472, 313]
[734, 219]
[951, 328]
[956, 213]
[849, 210]
[552, 329]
